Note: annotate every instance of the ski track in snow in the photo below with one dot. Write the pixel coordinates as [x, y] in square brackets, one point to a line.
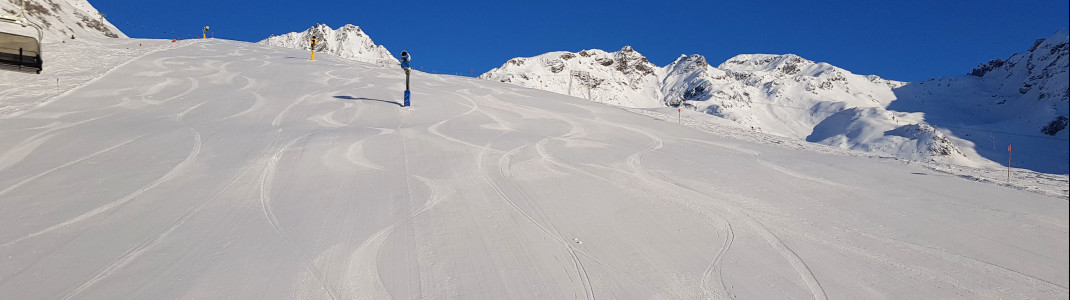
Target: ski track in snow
[19, 152]
[135, 252]
[637, 169]
[574, 253]
[713, 270]
[68, 164]
[577, 264]
[548, 158]
[575, 131]
[174, 172]
[553, 231]
[73, 91]
[267, 178]
[360, 283]
[758, 158]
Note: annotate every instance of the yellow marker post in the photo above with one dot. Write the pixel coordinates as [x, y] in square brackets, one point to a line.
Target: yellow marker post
[204, 34]
[313, 48]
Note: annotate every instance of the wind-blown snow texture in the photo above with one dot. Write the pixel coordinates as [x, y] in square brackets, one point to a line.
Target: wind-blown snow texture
[348, 41]
[222, 169]
[952, 120]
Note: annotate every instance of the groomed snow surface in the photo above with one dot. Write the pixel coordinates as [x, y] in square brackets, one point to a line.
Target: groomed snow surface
[230, 170]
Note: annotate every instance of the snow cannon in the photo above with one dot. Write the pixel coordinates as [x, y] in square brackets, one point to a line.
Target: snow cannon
[405, 58]
[313, 47]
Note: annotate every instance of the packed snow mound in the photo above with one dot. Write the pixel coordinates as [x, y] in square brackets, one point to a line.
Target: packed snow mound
[623, 78]
[62, 19]
[348, 41]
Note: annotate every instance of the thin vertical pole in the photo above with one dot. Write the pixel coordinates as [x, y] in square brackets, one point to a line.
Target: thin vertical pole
[1009, 153]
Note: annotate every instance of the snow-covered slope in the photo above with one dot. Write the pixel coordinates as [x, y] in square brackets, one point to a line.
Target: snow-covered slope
[788, 95]
[793, 97]
[348, 41]
[225, 170]
[63, 18]
[798, 98]
[1021, 101]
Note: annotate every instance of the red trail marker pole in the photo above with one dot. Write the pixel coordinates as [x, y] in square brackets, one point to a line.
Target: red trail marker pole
[679, 116]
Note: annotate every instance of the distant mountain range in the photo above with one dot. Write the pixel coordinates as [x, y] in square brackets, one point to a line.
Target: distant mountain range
[1020, 101]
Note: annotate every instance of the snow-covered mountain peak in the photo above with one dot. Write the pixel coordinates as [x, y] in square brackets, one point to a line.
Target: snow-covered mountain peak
[628, 60]
[1040, 73]
[1047, 53]
[691, 65]
[761, 62]
[624, 77]
[689, 61]
[62, 19]
[784, 65]
[348, 41]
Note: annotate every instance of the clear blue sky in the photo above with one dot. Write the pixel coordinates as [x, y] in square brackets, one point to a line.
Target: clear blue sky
[903, 40]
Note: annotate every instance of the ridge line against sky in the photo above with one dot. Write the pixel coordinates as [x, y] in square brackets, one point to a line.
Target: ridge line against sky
[905, 40]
